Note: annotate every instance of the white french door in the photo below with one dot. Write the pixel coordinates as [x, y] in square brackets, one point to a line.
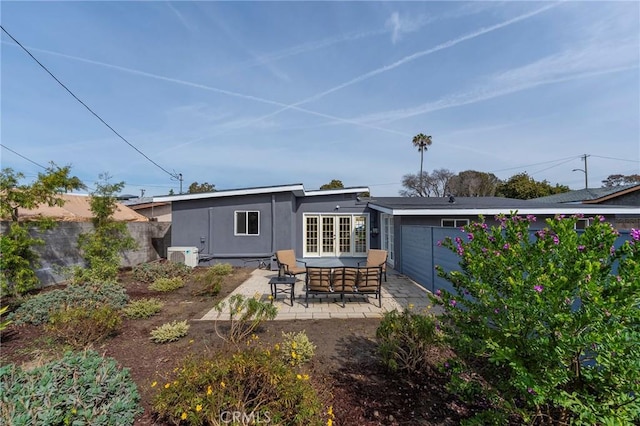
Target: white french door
[387, 236]
[335, 235]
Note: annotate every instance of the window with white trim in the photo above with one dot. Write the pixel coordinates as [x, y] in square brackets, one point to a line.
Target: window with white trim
[454, 223]
[247, 223]
[582, 223]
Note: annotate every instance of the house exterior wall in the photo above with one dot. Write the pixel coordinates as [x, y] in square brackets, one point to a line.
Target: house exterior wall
[630, 199]
[159, 213]
[208, 224]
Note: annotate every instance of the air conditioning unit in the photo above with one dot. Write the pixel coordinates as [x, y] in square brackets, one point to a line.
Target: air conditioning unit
[185, 255]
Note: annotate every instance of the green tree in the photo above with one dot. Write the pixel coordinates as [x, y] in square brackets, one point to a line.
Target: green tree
[422, 142]
[102, 248]
[524, 187]
[196, 187]
[472, 183]
[334, 184]
[618, 180]
[18, 260]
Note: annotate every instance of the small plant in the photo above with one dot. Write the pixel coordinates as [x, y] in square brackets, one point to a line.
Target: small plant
[80, 388]
[169, 332]
[245, 315]
[149, 272]
[80, 326]
[211, 281]
[404, 338]
[143, 308]
[37, 309]
[296, 348]
[167, 284]
[4, 323]
[254, 383]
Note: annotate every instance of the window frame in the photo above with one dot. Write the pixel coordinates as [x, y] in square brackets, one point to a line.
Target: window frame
[457, 223]
[236, 221]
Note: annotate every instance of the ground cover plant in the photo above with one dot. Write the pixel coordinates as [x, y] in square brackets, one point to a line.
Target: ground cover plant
[550, 322]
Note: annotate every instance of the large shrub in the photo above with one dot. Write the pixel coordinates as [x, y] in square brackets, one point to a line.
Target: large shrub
[252, 385]
[37, 309]
[554, 315]
[81, 388]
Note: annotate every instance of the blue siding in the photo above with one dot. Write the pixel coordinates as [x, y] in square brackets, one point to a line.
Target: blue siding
[421, 253]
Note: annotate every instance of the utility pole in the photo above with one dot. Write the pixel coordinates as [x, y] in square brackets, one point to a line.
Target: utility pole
[585, 171]
[180, 179]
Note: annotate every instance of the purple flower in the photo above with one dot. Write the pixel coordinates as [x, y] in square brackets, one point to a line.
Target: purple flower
[581, 248]
[458, 240]
[531, 218]
[438, 293]
[446, 365]
[439, 243]
[538, 288]
[531, 391]
[506, 246]
[556, 240]
[496, 311]
[612, 249]
[635, 234]
[453, 302]
[601, 218]
[470, 237]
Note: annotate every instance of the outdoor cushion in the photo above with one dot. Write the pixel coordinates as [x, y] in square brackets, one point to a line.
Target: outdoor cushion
[376, 257]
[344, 280]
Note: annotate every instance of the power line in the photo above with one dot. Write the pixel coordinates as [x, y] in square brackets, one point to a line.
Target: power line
[173, 175]
[536, 164]
[617, 159]
[22, 156]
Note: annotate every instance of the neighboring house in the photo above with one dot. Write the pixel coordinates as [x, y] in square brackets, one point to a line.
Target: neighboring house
[253, 223]
[624, 195]
[155, 211]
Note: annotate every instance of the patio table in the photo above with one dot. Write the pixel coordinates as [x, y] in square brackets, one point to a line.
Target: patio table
[286, 284]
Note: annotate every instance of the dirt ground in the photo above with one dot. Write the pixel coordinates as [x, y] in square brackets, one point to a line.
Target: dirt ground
[360, 390]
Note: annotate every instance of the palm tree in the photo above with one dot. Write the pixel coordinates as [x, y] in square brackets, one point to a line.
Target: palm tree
[422, 142]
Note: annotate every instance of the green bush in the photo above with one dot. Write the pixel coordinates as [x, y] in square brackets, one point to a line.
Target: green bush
[143, 308]
[149, 272]
[552, 318]
[210, 282]
[245, 315]
[37, 309]
[4, 323]
[81, 388]
[404, 339]
[254, 383]
[167, 284]
[81, 326]
[296, 348]
[169, 332]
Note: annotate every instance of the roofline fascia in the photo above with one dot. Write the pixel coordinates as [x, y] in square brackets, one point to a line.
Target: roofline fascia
[338, 191]
[494, 211]
[297, 189]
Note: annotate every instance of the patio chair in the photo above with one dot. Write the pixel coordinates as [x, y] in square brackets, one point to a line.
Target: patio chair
[288, 264]
[318, 281]
[376, 258]
[370, 282]
[344, 282]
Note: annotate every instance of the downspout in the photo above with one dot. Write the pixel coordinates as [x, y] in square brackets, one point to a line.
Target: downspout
[273, 223]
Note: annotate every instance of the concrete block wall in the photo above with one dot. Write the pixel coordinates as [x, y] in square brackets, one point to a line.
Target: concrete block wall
[60, 249]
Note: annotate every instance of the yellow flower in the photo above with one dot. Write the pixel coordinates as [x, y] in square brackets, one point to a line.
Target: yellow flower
[183, 416]
[198, 407]
[222, 385]
[270, 297]
[411, 305]
[153, 385]
[293, 354]
[73, 410]
[329, 422]
[166, 386]
[191, 341]
[276, 347]
[294, 345]
[305, 377]
[299, 377]
[330, 411]
[209, 390]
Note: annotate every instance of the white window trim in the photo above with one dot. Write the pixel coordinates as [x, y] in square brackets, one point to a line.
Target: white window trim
[457, 223]
[235, 223]
[586, 222]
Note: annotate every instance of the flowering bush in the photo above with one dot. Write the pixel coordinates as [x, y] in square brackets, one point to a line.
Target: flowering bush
[555, 315]
[251, 387]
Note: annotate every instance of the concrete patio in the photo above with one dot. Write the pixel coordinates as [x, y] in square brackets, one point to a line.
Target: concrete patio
[397, 293]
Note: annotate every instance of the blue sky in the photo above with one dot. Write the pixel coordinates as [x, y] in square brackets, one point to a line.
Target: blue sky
[244, 94]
